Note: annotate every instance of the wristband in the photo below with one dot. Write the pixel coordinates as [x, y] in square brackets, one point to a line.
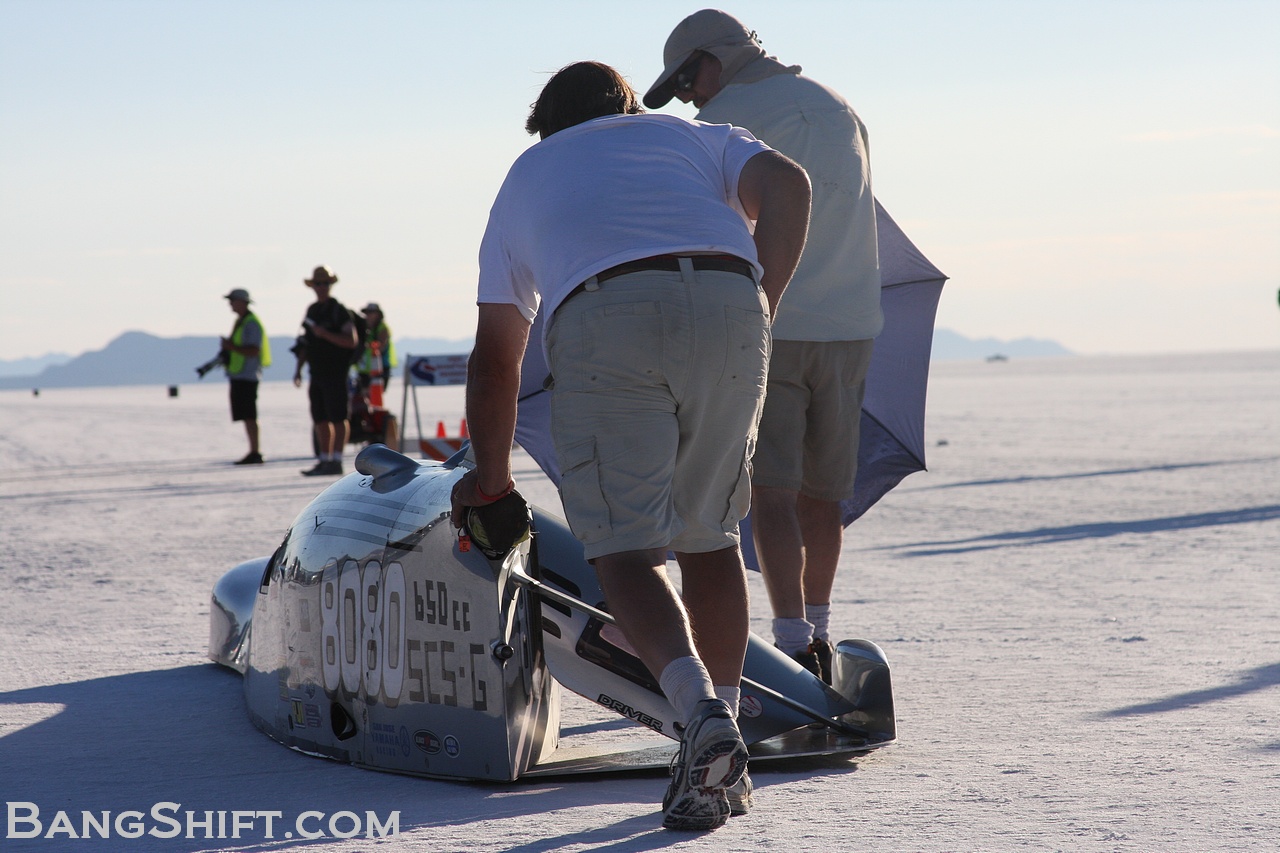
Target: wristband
[499, 496]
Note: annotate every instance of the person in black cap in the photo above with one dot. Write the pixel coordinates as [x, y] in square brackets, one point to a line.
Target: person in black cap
[806, 460]
[246, 351]
[329, 337]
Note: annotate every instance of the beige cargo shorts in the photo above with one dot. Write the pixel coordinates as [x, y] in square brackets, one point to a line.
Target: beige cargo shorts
[810, 428]
[658, 381]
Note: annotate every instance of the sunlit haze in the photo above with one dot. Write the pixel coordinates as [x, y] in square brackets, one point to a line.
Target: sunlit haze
[1102, 174]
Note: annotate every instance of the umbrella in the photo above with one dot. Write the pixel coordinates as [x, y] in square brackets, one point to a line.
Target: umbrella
[892, 433]
[892, 437]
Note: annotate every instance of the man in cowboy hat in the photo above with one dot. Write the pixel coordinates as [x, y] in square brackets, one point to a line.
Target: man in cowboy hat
[330, 336]
[246, 351]
[806, 460]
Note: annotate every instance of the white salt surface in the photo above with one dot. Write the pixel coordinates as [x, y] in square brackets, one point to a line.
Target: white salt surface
[1080, 601]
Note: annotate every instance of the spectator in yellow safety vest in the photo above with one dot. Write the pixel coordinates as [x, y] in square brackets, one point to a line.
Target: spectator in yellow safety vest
[246, 351]
[379, 332]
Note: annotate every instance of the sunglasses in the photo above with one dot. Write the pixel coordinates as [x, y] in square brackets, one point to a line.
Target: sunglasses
[687, 74]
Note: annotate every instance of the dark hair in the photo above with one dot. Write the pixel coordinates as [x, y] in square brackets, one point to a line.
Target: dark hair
[578, 93]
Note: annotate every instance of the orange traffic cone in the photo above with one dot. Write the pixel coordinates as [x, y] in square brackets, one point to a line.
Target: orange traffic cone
[375, 376]
[440, 433]
[463, 429]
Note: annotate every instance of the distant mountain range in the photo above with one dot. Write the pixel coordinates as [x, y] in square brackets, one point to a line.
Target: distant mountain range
[137, 358]
[32, 366]
[949, 345]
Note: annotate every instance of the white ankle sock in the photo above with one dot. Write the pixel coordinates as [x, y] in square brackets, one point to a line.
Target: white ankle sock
[820, 616]
[731, 696]
[792, 634]
[685, 683]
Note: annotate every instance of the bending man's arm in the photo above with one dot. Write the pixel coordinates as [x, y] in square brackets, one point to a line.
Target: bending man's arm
[493, 386]
[775, 192]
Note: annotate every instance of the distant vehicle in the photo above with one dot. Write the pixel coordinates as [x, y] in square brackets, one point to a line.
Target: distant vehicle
[997, 357]
[376, 635]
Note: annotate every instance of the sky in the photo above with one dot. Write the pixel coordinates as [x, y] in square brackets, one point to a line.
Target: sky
[1101, 174]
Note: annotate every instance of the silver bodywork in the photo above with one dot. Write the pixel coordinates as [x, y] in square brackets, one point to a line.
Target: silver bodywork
[372, 637]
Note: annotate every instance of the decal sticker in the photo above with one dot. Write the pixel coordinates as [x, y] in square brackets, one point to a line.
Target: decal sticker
[631, 713]
[427, 741]
[385, 739]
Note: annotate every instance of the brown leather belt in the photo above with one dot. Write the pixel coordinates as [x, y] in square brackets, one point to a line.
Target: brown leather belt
[671, 263]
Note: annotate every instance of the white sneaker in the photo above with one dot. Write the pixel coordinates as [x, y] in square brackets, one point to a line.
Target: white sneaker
[740, 796]
[712, 758]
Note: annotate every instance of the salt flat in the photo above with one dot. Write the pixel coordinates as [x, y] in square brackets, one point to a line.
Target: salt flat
[1080, 600]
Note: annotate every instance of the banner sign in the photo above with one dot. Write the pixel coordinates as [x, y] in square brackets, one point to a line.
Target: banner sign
[437, 369]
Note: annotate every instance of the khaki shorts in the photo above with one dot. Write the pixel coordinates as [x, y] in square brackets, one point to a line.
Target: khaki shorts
[810, 428]
[658, 383]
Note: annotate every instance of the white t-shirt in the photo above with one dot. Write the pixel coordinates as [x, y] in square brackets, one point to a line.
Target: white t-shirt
[611, 190]
[835, 292]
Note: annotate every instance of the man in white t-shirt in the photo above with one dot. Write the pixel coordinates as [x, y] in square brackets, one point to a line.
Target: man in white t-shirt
[807, 456]
[632, 232]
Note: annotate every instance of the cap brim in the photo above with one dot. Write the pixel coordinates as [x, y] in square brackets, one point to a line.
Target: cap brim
[659, 96]
[664, 88]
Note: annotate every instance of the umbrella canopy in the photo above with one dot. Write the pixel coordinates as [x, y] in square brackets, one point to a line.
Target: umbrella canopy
[892, 439]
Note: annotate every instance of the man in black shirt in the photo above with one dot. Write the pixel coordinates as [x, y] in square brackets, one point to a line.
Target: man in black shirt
[330, 337]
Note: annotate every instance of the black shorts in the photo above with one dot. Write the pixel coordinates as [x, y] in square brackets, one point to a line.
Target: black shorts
[244, 400]
[328, 398]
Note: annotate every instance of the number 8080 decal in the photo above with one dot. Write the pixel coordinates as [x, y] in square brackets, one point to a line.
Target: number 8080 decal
[365, 650]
